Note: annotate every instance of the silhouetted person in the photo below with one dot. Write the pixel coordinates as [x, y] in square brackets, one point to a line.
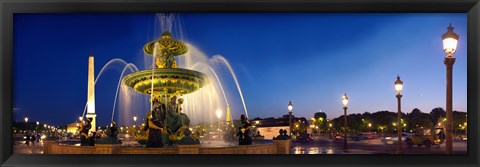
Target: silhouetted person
[91, 139]
[33, 138]
[27, 139]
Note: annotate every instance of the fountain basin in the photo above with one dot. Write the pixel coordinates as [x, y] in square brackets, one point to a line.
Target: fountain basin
[166, 81]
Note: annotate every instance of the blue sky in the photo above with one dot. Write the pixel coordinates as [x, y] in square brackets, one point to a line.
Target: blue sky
[311, 59]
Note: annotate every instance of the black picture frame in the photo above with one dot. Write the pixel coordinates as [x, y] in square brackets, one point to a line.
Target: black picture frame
[10, 7]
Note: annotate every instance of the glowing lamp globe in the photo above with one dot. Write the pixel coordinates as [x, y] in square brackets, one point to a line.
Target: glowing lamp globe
[290, 106]
[398, 85]
[450, 40]
[345, 100]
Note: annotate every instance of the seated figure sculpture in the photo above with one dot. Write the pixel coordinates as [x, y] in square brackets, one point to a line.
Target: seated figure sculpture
[155, 125]
[84, 129]
[177, 122]
[166, 124]
[188, 139]
[244, 136]
[111, 133]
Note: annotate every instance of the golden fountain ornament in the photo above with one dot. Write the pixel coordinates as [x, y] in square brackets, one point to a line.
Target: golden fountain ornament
[168, 79]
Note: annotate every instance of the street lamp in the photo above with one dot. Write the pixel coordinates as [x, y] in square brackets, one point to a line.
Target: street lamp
[290, 108]
[219, 114]
[399, 87]
[345, 103]
[135, 120]
[449, 40]
[26, 123]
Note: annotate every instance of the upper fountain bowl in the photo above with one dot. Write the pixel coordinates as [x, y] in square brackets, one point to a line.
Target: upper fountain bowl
[174, 46]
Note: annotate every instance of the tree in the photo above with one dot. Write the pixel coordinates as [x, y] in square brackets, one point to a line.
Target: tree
[320, 121]
[418, 119]
[437, 113]
[317, 115]
[459, 121]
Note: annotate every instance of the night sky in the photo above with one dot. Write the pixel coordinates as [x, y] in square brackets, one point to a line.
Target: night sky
[310, 59]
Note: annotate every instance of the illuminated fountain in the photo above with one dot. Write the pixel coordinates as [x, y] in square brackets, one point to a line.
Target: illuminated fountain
[164, 83]
[179, 69]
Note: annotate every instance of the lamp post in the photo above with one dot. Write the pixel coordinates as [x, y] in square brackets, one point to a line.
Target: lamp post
[290, 108]
[466, 120]
[449, 40]
[399, 87]
[26, 123]
[345, 102]
[135, 121]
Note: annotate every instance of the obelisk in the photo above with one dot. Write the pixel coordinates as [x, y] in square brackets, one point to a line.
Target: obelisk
[91, 94]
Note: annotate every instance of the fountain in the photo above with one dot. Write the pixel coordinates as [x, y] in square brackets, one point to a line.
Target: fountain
[164, 83]
[192, 82]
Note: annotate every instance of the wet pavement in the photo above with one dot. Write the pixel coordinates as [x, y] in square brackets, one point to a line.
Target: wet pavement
[19, 147]
[324, 145]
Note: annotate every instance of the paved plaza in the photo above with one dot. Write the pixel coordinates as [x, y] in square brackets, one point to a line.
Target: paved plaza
[320, 145]
[324, 145]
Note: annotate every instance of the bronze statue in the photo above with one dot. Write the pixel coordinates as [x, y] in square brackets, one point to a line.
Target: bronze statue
[155, 126]
[179, 105]
[84, 129]
[111, 133]
[113, 130]
[166, 59]
[243, 134]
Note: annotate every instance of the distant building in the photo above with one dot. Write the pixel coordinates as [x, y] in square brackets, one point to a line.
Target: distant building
[270, 127]
[73, 127]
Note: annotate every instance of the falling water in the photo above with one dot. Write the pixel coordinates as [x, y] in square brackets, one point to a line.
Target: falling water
[128, 66]
[224, 61]
[108, 64]
[216, 77]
